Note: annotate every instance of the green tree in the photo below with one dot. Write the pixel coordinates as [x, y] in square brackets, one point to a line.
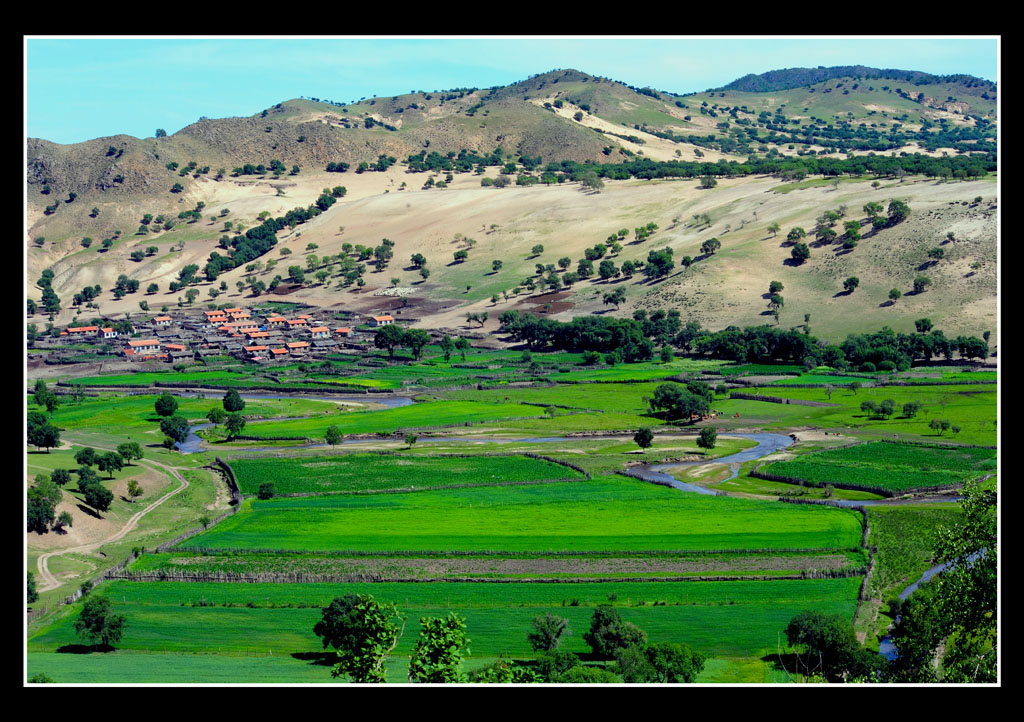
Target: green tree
[851, 283]
[216, 415]
[134, 490]
[389, 337]
[33, 595]
[333, 435]
[97, 496]
[410, 439]
[266, 490]
[895, 294]
[774, 228]
[98, 623]
[462, 344]
[447, 346]
[608, 632]
[44, 436]
[175, 427]
[795, 234]
[548, 631]
[415, 339]
[800, 252]
[363, 631]
[232, 402]
[830, 647]
[437, 656]
[110, 462]
[710, 246]
[659, 663]
[708, 437]
[166, 405]
[920, 283]
[42, 502]
[234, 424]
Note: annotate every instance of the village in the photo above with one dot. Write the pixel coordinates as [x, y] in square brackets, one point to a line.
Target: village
[189, 336]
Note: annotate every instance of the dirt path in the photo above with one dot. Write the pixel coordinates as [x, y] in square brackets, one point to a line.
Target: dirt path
[48, 581]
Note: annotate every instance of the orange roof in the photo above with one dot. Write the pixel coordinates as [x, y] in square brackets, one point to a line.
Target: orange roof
[297, 322]
[107, 330]
[319, 328]
[255, 348]
[83, 329]
[276, 319]
[256, 334]
[298, 344]
[279, 351]
[232, 310]
[214, 313]
[342, 330]
[162, 318]
[304, 315]
[147, 342]
[383, 318]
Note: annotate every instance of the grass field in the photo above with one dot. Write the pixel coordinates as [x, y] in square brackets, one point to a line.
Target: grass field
[721, 619]
[886, 467]
[603, 514]
[354, 472]
[905, 537]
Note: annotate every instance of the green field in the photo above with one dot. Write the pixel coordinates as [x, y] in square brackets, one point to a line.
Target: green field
[886, 467]
[727, 619]
[359, 472]
[604, 514]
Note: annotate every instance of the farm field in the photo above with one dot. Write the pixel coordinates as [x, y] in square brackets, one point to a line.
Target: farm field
[603, 514]
[368, 472]
[888, 468]
[721, 619]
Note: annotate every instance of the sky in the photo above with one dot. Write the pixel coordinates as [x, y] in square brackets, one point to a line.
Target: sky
[77, 89]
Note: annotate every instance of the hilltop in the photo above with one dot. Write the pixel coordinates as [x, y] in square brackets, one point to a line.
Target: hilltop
[412, 171]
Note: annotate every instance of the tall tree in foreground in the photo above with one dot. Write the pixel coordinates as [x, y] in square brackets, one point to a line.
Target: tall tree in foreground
[548, 631]
[363, 631]
[98, 622]
[437, 656]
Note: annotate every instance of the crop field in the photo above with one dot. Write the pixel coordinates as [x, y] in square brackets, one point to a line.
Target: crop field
[887, 467]
[148, 378]
[733, 619]
[905, 537]
[603, 514]
[406, 417]
[357, 472]
[817, 379]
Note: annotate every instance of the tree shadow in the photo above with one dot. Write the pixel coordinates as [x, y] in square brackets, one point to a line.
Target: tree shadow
[793, 262]
[842, 293]
[321, 659]
[88, 510]
[84, 648]
[885, 304]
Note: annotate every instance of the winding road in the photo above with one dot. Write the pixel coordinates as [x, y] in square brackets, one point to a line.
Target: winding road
[48, 581]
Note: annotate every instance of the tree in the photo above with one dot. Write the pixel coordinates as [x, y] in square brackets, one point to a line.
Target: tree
[795, 234]
[363, 631]
[547, 633]
[800, 252]
[266, 490]
[911, 408]
[462, 344]
[333, 435]
[44, 436]
[708, 182]
[233, 402]
[97, 496]
[216, 415]
[898, 212]
[437, 656]
[659, 663]
[708, 437]
[608, 632]
[98, 623]
[175, 427]
[166, 405]
[389, 337]
[410, 439]
[923, 325]
[415, 339]
[447, 346]
[537, 250]
[710, 246]
[895, 294]
[831, 647]
[774, 228]
[42, 503]
[85, 456]
[920, 283]
[33, 595]
[110, 462]
[496, 266]
[234, 425]
[615, 297]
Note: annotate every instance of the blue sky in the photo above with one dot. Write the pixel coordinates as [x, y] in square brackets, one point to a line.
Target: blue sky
[83, 88]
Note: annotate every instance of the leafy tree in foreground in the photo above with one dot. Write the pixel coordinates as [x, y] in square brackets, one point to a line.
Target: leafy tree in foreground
[363, 631]
[175, 427]
[547, 633]
[266, 491]
[437, 655]
[98, 622]
[234, 424]
[830, 647]
[33, 595]
[333, 435]
[97, 496]
[663, 662]
[643, 438]
[851, 283]
[608, 632]
[708, 437]
[110, 462]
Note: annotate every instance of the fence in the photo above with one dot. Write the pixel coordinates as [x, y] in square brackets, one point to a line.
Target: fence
[779, 399]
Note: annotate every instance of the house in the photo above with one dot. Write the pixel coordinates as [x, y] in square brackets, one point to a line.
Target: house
[344, 332]
[172, 347]
[81, 331]
[276, 322]
[163, 321]
[298, 348]
[297, 323]
[320, 332]
[279, 352]
[108, 333]
[256, 352]
[146, 346]
[378, 321]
